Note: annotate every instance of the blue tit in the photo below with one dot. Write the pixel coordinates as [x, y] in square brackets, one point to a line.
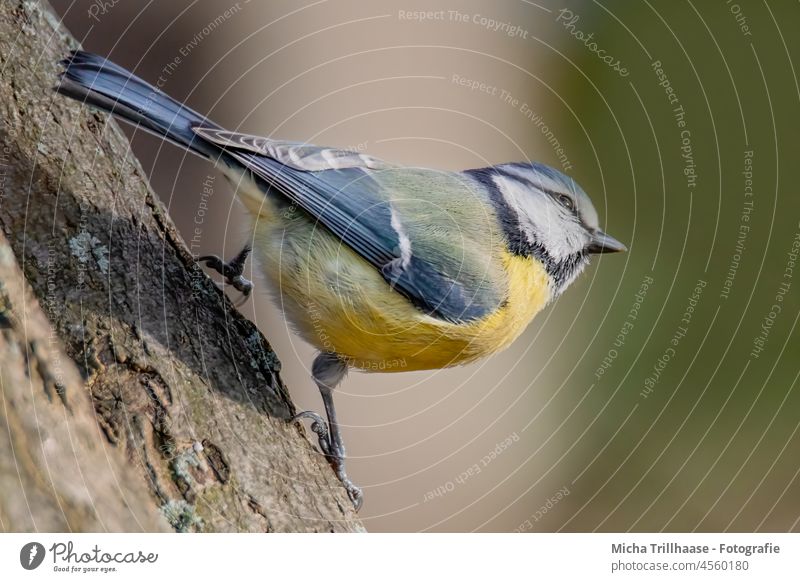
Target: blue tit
[379, 266]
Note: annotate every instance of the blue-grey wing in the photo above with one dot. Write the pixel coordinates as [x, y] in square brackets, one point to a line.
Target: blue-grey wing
[424, 239]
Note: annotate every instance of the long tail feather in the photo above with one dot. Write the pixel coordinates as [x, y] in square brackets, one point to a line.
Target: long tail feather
[98, 82]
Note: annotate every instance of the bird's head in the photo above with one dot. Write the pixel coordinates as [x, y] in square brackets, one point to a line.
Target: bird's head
[545, 214]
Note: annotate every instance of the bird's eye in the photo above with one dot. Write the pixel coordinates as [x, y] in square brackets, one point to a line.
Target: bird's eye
[566, 202]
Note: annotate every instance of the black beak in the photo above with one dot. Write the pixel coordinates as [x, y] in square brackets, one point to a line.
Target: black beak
[602, 243]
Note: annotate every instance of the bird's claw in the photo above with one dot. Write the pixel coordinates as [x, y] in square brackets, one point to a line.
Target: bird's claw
[333, 453]
[319, 427]
[353, 492]
[233, 271]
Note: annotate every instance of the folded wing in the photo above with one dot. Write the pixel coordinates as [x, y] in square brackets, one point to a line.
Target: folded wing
[430, 234]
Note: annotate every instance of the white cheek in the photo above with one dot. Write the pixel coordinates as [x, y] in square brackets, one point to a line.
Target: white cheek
[563, 236]
[557, 231]
[547, 223]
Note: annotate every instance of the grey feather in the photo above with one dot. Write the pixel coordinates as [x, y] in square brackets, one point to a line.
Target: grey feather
[296, 155]
[448, 268]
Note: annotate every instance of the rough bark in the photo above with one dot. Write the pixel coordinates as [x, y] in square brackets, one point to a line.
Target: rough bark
[56, 473]
[186, 392]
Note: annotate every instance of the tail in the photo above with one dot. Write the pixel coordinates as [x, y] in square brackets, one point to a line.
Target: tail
[98, 82]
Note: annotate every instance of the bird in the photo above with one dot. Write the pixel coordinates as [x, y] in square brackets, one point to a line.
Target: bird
[381, 267]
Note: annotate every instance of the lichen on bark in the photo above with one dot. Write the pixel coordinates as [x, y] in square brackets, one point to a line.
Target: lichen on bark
[185, 391]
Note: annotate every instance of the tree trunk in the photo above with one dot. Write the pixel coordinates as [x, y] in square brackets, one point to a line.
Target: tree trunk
[146, 401]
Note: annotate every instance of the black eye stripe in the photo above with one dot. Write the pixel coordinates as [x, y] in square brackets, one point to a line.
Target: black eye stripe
[566, 202]
[552, 193]
[531, 184]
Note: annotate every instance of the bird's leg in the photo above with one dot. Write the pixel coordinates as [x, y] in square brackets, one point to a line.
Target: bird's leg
[328, 370]
[233, 270]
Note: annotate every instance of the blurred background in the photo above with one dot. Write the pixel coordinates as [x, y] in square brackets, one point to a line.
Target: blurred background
[660, 392]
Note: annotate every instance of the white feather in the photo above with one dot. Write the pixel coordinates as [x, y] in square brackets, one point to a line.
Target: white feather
[542, 219]
[405, 242]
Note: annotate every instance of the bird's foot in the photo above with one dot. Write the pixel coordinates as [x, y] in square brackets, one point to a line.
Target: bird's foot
[334, 453]
[233, 271]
